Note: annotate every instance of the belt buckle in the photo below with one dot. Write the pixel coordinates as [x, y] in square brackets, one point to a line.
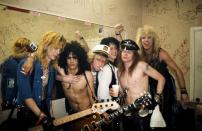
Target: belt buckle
[143, 112]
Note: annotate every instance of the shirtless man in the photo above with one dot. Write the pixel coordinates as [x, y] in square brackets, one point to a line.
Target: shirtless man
[74, 63]
[134, 75]
[78, 98]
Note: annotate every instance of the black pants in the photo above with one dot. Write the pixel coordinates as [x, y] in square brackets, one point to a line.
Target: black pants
[113, 126]
[27, 118]
[136, 123]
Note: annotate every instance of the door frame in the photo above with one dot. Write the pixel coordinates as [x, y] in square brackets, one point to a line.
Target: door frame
[192, 61]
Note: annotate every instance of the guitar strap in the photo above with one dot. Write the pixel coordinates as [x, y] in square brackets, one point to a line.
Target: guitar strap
[94, 97]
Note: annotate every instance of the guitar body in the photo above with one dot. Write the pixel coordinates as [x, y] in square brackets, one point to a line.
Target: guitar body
[90, 120]
[93, 121]
[86, 123]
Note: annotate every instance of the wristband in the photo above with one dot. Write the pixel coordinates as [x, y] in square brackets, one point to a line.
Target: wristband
[183, 92]
[41, 117]
[157, 97]
[118, 33]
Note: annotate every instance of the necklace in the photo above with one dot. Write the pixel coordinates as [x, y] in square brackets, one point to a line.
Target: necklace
[44, 82]
[45, 77]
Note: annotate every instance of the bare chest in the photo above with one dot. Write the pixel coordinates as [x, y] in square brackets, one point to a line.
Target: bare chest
[75, 87]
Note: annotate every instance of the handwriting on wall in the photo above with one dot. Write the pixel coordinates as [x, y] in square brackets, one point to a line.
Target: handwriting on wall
[181, 53]
[133, 22]
[187, 15]
[186, 10]
[81, 3]
[15, 24]
[156, 7]
[163, 36]
[181, 3]
[8, 33]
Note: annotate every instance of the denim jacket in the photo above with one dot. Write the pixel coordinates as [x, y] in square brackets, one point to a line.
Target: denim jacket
[30, 86]
[9, 82]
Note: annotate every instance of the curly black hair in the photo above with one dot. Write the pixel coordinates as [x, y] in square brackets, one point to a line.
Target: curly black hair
[110, 40]
[75, 48]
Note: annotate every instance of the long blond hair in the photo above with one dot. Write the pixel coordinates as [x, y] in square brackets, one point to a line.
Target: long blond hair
[147, 30]
[53, 39]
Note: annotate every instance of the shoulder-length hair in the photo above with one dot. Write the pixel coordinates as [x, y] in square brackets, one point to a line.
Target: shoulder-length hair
[75, 48]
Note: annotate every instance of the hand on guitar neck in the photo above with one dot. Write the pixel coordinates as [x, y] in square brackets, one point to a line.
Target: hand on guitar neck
[142, 102]
[97, 108]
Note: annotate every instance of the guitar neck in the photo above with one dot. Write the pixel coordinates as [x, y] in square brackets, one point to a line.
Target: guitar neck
[118, 112]
[65, 119]
[96, 108]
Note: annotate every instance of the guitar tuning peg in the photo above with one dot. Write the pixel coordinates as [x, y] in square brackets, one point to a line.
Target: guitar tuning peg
[102, 100]
[107, 100]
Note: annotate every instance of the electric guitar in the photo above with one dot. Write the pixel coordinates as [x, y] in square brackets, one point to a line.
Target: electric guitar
[94, 122]
[98, 108]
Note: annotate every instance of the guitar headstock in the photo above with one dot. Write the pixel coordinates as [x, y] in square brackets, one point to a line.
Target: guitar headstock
[103, 107]
[144, 100]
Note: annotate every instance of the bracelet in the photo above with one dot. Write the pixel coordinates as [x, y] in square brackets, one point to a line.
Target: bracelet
[41, 117]
[118, 33]
[183, 91]
[158, 94]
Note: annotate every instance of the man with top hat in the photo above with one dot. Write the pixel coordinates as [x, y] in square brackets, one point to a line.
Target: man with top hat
[134, 74]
